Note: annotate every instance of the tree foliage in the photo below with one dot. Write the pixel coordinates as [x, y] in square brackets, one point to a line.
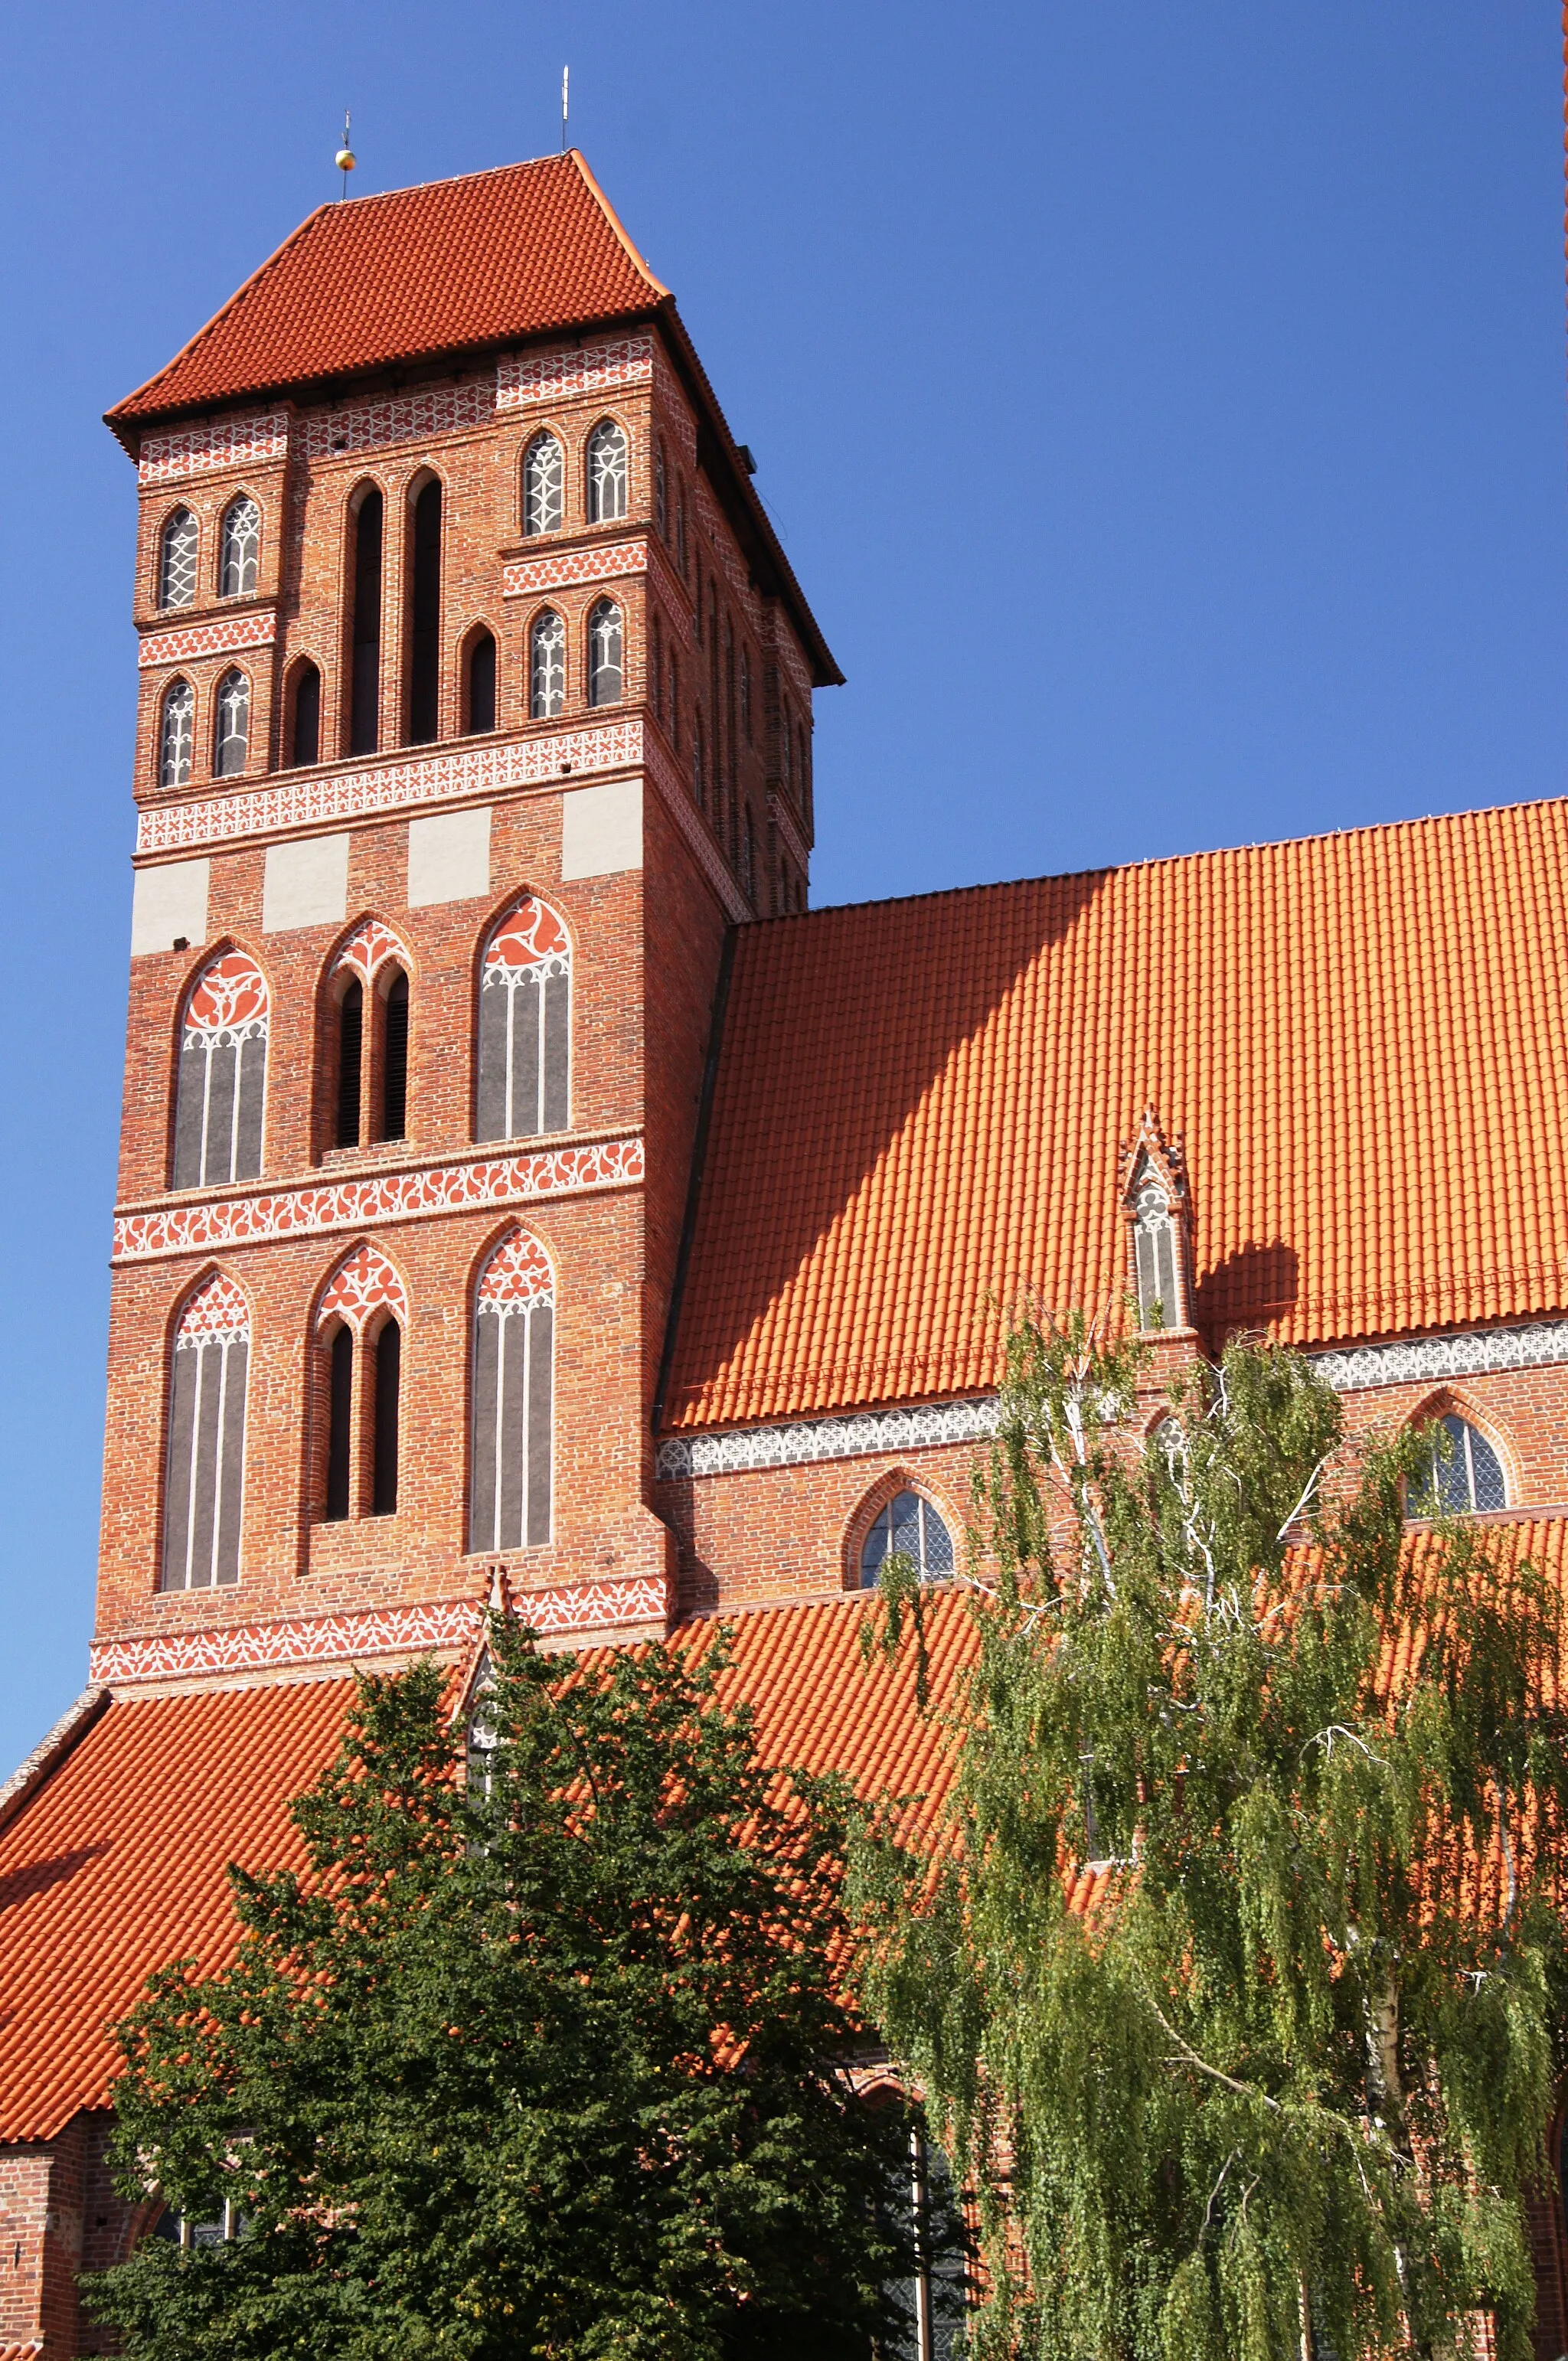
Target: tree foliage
[551, 2064]
[1236, 1972]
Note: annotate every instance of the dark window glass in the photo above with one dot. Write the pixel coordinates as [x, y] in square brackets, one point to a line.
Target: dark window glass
[395, 1062]
[513, 1354]
[607, 471]
[1465, 1472]
[525, 1019]
[424, 619]
[307, 741]
[350, 1046]
[177, 560]
[910, 1526]
[176, 735]
[546, 665]
[340, 1425]
[231, 726]
[239, 548]
[364, 686]
[389, 1350]
[481, 684]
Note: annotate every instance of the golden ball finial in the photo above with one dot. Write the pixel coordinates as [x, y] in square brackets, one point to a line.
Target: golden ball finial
[346, 160]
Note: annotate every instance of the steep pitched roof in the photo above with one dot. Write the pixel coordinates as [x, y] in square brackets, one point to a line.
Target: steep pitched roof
[115, 1865]
[919, 1106]
[454, 265]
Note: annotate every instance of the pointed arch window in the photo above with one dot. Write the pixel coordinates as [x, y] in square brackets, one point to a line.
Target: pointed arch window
[239, 548]
[179, 547]
[605, 642]
[608, 473]
[911, 1528]
[1464, 1473]
[424, 615]
[205, 1482]
[543, 486]
[1155, 1243]
[305, 715]
[525, 1023]
[231, 725]
[546, 665]
[360, 1325]
[369, 1049]
[479, 688]
[223, 1075]
[176, 734]
[365, 629]
[514, 1339]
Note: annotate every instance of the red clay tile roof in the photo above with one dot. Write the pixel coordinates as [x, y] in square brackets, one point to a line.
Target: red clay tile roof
[115, 1866]
[918, 1108]
[458, 265]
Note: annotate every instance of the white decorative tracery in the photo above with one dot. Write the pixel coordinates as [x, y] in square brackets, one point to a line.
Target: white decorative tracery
[205, 1480]
[514, 1328]
[546, 665]
[223, 1075]
[363, 1284]
[525, 987]
[239, 548]
[231, 727]
[543, 486]
[367, 950]
[608, 473]
[604, 653]
[178, 553]
[176, 734]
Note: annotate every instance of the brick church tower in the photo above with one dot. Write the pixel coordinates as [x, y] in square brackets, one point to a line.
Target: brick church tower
[476, 707]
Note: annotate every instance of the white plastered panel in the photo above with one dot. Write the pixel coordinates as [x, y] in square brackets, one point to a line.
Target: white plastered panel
[449, 857]
[601, 829]
[167, 901]
[306, 884]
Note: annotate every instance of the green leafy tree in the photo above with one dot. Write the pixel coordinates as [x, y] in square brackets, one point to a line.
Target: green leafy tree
[1236, 1972]
[549, 2064]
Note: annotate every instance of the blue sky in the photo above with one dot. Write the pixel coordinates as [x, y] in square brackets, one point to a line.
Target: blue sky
[1162, 405]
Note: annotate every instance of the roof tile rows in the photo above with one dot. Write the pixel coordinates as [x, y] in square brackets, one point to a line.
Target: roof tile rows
[920, 1104]
[460, 264]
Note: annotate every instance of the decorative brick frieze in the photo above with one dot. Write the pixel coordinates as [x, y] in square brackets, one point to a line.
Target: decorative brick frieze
[225, 635]
[372, 425]
[1429, 1359]
[377, 1198]
[598, 366]
[603, 561]
[435, 1627]
[676, 798]
[806, 1440]
[238, 442]
[783, 820]
[323, 800]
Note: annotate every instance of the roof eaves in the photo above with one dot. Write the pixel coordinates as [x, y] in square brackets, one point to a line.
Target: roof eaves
[616, 223]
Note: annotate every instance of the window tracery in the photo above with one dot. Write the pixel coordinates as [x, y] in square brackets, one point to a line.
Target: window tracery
[222, 1083]
[543, 486]
[911, 1528]
[1464, 1475]
[546, 665]
[363, 1315]
[239, 548]
[514, 1316]
[525, 1014]
[231, 728]
[608, 473]
[176, 734]
[177, 560]
[605, 673]
[204, 1480]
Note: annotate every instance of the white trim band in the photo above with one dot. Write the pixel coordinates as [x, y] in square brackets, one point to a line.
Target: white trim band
[807, 1441]
[1421, 1359]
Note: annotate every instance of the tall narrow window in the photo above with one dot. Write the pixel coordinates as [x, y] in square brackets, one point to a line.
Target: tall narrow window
[661, 492]
[340, 1424]
[424, 617]
[365, 671]
[231, 726]
[604, 653]
[223, 1075]
[748, 848]
[1154, 1236]
[388, 1348]
[514, 1321]
[350, 1058]
[239, 548]
[363, 1312]
[1465, 1473]
[480, 702]
[546, 665]
[395, 1059]
[674, 715]
[176, 734]
[178, 546]
[204, 1481]
[543, 486]
[681, 555]
[305, 716]
[525, 1019]
[607, 473]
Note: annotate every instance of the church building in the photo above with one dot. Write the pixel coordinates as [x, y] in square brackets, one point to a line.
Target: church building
[525, 1195]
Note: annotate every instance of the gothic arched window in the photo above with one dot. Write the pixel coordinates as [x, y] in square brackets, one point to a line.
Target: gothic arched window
[364, 1311]
[1464, 1473]
[425, 614]
[176, 734]
[745, 695]
[546, 665]
[177, 554]
[204, 1485]
[365, 630]
[368, 1048]
[525, 1026]
[223, 1075]
[231, 725]
[608, 483]
[480, 690]
[1155, 1245]
[604, 673]
[239, 548]
[305, 715]
[543, 486]
[910, 1526]
[514, 1330]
